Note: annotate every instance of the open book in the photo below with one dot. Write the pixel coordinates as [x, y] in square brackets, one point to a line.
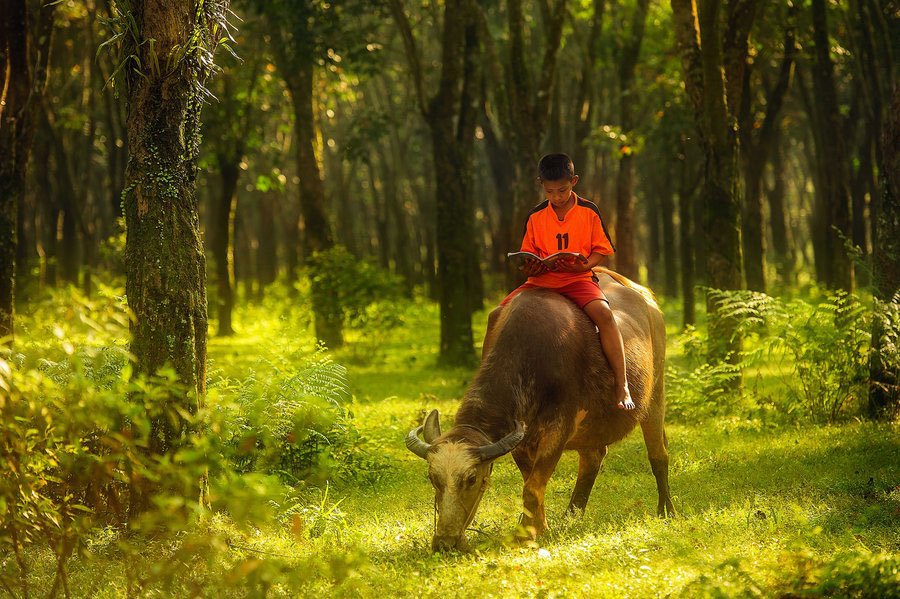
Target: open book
[520, 258]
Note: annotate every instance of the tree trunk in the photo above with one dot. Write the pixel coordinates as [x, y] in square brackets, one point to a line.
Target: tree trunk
[778, 217]
[402, 247]
[317, 236]
[221, 237]
[22, 94]
[585, 99]
[381, 217]
[451, 115]
[713, 72]
[452, 150]
[626, 246]
[164, 261]
[686, 237]
[884, 378]
[669, 255]
[832, 155]
[653, 252]
[267, 250]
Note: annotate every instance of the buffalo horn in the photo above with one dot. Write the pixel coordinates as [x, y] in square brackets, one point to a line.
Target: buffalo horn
[502, 447]
[415, 444]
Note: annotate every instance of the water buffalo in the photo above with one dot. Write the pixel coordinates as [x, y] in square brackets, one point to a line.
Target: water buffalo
[544, 386]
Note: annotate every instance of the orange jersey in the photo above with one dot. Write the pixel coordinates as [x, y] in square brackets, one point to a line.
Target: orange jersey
[582, 230]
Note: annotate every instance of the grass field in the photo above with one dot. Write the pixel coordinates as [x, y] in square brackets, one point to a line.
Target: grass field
[766, 507]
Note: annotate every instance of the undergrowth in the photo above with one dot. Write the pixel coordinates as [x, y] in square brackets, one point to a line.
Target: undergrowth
[311, 491]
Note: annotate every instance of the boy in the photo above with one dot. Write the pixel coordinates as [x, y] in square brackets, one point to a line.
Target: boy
[566, 222]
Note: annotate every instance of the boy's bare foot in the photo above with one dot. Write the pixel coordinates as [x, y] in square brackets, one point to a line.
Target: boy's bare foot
[624, 398]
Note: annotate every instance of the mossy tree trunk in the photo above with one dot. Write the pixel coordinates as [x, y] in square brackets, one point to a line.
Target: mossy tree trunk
[164, 262]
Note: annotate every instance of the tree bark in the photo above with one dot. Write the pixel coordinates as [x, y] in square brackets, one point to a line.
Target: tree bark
[164, 261]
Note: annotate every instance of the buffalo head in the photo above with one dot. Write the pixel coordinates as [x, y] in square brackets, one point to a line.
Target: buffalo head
[459, 468]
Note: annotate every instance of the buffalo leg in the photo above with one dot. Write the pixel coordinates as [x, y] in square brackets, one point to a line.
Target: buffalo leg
[589, 462]
[537, 466]
[657, 451]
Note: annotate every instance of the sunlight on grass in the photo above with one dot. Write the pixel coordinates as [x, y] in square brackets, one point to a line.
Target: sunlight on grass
[762, 502]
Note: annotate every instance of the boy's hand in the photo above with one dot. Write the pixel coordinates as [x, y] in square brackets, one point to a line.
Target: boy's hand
[533, 268]
[572, 264]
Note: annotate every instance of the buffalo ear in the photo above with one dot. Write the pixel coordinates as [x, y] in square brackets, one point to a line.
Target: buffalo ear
[432, 426]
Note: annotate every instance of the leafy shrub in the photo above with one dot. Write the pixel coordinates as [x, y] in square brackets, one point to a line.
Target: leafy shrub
[76, 427]
[294, 424]
[74, 437]
[825, 346]
[703, 390]
[829, 345]
[858, 574]
[887, 361]
[359, 292]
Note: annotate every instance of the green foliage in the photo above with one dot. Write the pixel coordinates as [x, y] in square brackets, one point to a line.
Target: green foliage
[857, 574]
[127, 43]
[77, 430]
[362, 294]
[821, 351]
[289, 419]
[887, 328]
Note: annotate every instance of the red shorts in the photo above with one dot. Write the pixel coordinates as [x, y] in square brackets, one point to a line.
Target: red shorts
[581, 292]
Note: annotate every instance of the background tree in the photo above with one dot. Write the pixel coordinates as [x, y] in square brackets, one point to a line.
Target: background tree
[25, 77]
[522, 96]
[832, 215]
[714, 62]
[232, 125]
[758, 131]
[884, 378]
[451, 116]
[626, 260]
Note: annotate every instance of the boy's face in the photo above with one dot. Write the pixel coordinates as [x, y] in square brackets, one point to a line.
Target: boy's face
[558, 192]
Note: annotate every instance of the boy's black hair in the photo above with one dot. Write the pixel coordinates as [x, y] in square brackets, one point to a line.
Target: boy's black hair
[556, 167]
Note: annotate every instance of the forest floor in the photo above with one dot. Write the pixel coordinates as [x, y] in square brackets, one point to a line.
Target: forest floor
[764, 507]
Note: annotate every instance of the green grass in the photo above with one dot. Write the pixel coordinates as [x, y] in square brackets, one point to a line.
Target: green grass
[763, 504]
